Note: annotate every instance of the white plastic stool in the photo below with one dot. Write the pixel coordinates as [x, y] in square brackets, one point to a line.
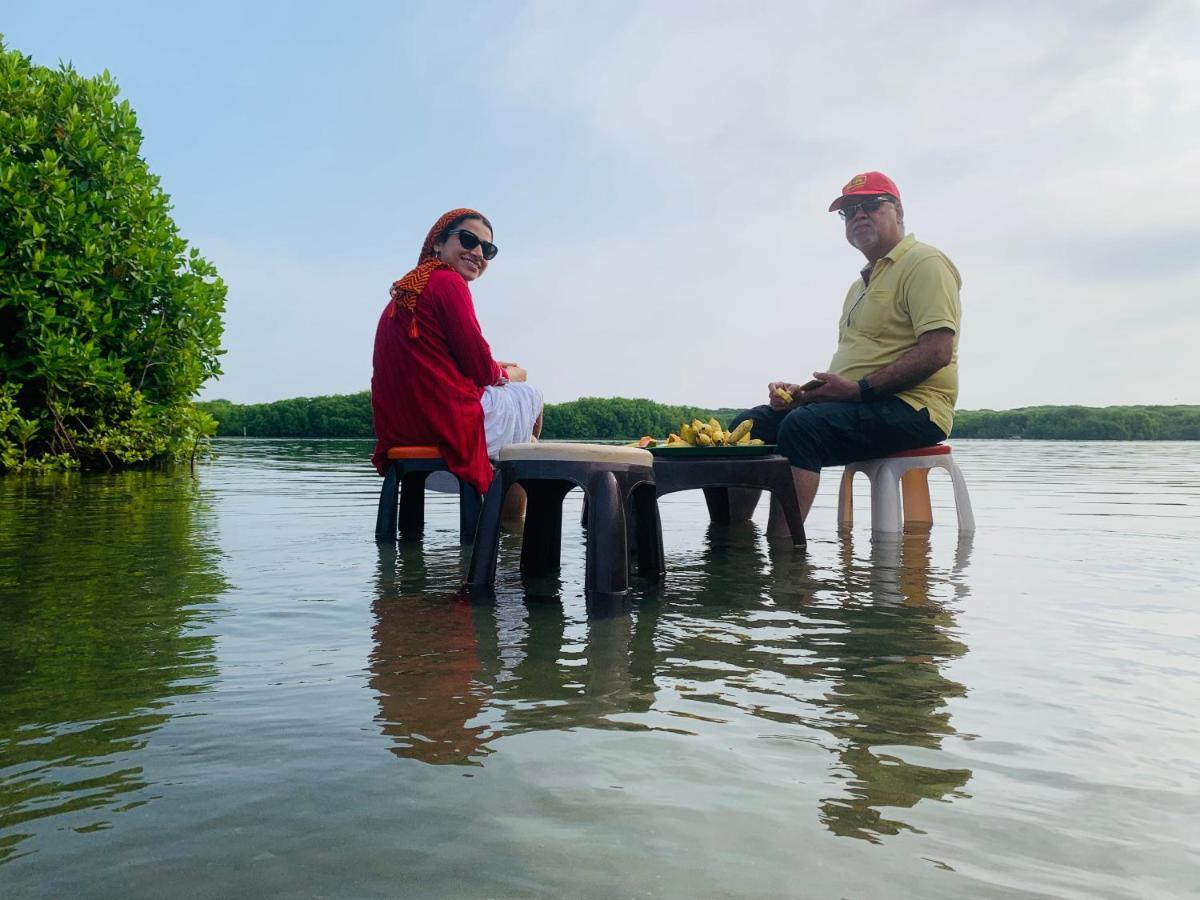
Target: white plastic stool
[907, 471]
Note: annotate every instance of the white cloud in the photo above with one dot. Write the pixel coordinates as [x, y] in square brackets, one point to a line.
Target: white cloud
[1028, 140]
[1049, 149]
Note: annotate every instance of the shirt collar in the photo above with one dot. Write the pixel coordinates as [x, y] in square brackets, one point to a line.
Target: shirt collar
[901, 248]
[892, 256]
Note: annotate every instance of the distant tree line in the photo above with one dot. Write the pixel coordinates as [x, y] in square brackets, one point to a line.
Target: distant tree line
[1082, 423]
[620, 418]
[349, 415]
[337, 415]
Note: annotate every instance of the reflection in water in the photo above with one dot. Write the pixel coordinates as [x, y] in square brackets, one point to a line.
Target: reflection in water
[891, 691]
[451, 676]
[87, 673]
[856, 652]
[849, 657]
[425, 668]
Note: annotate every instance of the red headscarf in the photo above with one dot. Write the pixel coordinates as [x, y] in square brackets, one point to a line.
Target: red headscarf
[406, 291]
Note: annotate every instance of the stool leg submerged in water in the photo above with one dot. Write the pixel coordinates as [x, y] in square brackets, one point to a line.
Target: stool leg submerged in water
[402, 501]
[541, 540]
[411, 521]
[900, 490]
[389, 496]
[607, 547]
[620, 500]
[482, 571]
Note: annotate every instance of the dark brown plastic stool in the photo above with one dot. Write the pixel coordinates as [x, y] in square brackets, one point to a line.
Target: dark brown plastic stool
[618, 484]
[716, 475]
[403, 492]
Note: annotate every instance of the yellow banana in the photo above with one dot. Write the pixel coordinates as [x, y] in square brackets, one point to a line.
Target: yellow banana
[705, 440]
[784, 394]
[741, 431]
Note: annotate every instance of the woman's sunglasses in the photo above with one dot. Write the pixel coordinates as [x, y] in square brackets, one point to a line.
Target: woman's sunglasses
[850, 210]
[470, 241]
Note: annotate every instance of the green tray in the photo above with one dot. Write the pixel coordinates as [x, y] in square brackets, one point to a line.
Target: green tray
[696, 452]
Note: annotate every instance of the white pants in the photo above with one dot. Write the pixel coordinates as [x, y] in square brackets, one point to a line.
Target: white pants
[509, 414]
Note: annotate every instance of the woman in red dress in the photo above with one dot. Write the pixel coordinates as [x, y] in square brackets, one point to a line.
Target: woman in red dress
[435, 381]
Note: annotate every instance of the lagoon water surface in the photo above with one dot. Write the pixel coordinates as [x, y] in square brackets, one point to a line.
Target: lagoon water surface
[214, 684]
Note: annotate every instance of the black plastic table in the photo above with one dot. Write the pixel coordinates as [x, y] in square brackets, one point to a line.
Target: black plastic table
[716, 475]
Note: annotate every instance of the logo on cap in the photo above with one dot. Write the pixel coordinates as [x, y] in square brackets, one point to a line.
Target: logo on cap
[856, 181]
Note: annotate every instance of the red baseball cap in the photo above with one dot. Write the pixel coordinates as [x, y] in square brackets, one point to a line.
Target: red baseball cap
[867, 183]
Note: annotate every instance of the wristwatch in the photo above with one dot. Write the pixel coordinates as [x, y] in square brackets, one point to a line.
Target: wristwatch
[865, 390]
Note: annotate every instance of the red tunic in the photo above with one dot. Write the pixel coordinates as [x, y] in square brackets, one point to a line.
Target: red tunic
[426, 390]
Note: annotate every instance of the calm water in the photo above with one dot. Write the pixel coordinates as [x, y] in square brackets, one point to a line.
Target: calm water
[214, 685]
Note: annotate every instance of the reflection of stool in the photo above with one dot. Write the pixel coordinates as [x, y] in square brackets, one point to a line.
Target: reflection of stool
[618, 483]
[717, 475]
[907, 470]
[404, 487]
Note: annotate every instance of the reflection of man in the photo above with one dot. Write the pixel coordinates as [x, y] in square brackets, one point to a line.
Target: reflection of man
[892, 691]
[894, 378]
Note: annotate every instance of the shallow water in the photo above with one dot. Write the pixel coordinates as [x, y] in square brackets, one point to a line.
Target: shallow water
[215, 684]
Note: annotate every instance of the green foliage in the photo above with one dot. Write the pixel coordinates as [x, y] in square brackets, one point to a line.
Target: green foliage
[349, 415]
[109, 322]
[619, 418]
[1083, 423]
[339, 415]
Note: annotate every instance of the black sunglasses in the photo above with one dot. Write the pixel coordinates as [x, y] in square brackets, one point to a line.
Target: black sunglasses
[470, 240]
[850, 210]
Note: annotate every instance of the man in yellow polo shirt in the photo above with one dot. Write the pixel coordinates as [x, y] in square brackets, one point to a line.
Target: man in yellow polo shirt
[894, 378]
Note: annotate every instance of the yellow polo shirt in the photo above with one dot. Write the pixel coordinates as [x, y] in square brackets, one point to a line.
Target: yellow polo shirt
[912, 290]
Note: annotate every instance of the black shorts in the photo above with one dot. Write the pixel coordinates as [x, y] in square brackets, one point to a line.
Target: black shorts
[833, 434]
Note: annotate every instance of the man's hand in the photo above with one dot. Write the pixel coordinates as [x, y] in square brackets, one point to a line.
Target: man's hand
[836, 388]
[934, 350]
[778, 402]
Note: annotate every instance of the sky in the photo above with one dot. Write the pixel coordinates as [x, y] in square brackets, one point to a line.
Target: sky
[659, 174]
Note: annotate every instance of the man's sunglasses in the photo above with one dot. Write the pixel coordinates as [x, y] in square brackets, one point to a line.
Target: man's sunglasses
[850, 210]
[470, 241]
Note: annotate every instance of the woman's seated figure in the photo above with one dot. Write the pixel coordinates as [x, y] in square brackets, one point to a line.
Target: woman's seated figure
[435, 382]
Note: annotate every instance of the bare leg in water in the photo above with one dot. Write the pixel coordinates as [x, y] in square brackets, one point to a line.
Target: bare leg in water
[512, 514]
